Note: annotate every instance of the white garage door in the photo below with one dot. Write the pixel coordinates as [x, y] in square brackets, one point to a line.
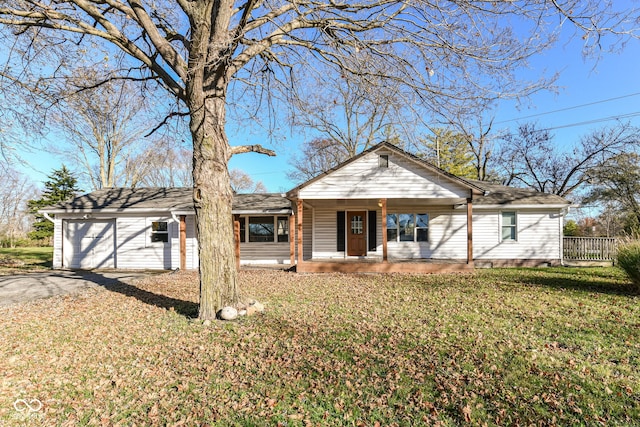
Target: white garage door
[89, 244]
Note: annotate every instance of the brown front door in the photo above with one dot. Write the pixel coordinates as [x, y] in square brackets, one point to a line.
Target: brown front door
[356, 234]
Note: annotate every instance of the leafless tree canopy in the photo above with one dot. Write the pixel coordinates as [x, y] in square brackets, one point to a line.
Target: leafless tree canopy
[16, 189]
[241, 182]
[532, 159]
[209, 54]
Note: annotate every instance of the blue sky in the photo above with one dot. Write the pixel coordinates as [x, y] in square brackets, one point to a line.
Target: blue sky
[582, 81]
[613, 75]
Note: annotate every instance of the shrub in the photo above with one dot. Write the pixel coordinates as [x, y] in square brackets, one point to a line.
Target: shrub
[629, 261]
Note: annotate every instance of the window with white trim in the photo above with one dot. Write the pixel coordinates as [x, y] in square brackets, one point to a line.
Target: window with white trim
[509, 227]
[265, 229]
[407, 227]
[283, 229]
[159, 232]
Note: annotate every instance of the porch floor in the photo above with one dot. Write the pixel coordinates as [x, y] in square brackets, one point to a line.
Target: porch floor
[378, 266]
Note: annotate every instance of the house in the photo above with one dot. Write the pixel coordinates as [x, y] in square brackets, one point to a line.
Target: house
[155, 228]
[383, 210]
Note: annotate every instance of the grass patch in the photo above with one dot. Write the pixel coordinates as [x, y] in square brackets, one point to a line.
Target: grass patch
[14, 260]
[496, 347]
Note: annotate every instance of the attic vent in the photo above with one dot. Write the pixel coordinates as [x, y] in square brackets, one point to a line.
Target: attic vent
[383, 161]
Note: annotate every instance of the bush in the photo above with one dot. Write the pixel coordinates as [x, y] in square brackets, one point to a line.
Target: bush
[629, 261]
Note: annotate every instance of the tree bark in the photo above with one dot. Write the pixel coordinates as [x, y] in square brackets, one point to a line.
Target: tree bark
[213, 199]
[206, 92]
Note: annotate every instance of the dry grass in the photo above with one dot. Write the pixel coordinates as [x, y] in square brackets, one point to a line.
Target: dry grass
[498, 347]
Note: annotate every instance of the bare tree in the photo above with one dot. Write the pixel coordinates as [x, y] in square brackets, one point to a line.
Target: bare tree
[241, 182]
[616, 184]
[532, 159]
[480, 139]
[161, 165]
[210, 54]
[104, 123]
[316, 156]
[15, 191]
[354, 113]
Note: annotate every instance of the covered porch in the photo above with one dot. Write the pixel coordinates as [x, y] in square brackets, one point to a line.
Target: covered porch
[424, 266]
[354, 236]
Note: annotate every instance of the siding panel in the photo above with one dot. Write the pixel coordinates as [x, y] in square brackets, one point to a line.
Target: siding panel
[365, 179]
[134, 247]
[538, 236]
[264, 253]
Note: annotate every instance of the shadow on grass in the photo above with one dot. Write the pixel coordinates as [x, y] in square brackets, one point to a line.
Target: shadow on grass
[188, 309]
[600, 280]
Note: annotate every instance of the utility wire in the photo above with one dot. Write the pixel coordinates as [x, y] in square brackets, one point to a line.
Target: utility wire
[588, 122]
[569, 108]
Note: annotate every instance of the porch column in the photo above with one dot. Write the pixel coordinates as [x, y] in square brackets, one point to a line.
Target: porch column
[183, 242]
[292, 240]
[299, 231]
[383, 205]
[236, 235]
[469, 231]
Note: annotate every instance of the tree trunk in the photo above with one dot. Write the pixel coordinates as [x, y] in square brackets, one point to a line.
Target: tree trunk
[213, 199]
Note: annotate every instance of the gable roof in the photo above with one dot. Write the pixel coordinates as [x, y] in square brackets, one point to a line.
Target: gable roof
[427, 165]
[163, 199]
[485, 193]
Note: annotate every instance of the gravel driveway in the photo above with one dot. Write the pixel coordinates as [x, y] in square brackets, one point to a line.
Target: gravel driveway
[31, 286]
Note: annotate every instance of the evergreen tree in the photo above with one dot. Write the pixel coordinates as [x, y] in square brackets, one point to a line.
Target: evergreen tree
[450, 151]
[60, 186]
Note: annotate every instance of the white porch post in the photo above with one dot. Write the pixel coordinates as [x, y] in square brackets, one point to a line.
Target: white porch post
[299, 231]
[469, 231]
[383, 205]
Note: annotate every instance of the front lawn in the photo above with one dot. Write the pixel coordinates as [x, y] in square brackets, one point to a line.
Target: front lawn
[496, 347]
[15, 260]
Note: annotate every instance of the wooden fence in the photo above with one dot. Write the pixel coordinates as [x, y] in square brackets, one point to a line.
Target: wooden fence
[589, 248]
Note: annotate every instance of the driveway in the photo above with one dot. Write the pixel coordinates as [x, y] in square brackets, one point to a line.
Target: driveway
[31, 286]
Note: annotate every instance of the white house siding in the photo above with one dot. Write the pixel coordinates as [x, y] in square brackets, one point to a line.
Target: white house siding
[264, 253]
[538, 236]
[324, 234]
[57, 242]
[364, 179]
[193, 260]
[135, 250]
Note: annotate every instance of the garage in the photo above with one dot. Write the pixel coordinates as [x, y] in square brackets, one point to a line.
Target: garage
[89, 244]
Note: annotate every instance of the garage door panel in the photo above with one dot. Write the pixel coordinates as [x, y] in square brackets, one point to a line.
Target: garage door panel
[89, 244]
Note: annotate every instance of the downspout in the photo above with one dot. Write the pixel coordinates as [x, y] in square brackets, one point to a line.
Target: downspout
[46, 215]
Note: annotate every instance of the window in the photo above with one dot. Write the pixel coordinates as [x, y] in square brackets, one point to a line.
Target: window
[509, 227]
[261, 229]
[357, 225]
[283, 229]
[383, 161]
[407, 227]
[159, 231]
[422, 228]
[392, 227]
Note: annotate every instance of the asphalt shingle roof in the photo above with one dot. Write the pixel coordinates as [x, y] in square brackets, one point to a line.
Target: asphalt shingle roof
[163, 199]
[503, 195]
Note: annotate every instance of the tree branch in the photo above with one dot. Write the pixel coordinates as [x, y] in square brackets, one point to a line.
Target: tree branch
[241, 149]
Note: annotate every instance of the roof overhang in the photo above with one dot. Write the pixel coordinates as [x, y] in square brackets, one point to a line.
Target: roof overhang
[521, 206]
